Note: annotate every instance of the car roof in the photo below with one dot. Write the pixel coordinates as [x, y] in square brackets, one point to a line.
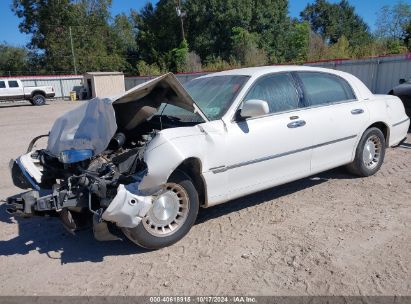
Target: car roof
[258, 71]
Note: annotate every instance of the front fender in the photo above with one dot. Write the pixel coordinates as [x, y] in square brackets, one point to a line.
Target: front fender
[169, 149]
[161, 162]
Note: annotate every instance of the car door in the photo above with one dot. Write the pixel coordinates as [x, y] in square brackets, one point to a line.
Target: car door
[336, 115]
[3, 89]
[271, 149]
[14, 90]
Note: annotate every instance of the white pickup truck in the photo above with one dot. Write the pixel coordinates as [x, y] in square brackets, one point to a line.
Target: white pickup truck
[13, 89]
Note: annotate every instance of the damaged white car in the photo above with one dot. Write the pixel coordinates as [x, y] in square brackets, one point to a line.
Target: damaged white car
[147, 160]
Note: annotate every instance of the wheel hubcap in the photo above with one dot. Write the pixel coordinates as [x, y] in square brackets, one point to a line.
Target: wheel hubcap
[372, 151]
[38, 99]
[169, 211]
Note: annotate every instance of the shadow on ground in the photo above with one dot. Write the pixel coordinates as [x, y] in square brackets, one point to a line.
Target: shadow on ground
[270, 194]
[16, 105]
[47, 235]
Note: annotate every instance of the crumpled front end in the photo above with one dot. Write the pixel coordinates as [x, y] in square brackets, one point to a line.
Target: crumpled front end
[103, 189]
[90, 172]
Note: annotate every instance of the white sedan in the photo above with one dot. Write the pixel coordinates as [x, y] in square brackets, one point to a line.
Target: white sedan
[148, 159]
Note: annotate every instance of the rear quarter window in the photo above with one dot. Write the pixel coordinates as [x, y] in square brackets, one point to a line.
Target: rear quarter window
[2, 84]
[322, 88]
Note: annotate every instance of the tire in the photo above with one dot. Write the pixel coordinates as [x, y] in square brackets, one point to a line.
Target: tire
[38, 100]
[369, 154]
[148, 235]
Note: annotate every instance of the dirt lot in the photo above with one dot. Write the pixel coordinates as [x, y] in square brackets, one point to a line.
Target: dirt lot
[326, 235]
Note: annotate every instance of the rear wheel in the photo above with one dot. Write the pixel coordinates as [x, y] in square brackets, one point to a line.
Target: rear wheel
[171, 217]
[370, 153]
[38, 100]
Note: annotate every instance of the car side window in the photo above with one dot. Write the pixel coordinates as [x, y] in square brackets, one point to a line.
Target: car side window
[13, 84]
[278, 90]
[2, 84]
[322, 88]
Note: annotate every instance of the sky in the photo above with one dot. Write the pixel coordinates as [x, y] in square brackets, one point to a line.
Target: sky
[10, 33]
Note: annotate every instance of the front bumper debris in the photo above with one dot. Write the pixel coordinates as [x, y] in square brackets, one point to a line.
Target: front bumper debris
[22, 205]
[127, 209]
[30, 203]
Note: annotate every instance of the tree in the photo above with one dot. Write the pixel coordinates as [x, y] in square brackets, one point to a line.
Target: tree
[407, 36]
[210, 24]
[298, 41]
[13, 60]
[245, 48]
[317, 49]
[341, 49]
[157, 31]
[392, 21]
[179, 57]
[334, 20]
[50, 23]
[124, 42]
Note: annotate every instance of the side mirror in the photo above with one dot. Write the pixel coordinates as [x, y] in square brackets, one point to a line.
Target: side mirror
[254, 108]
[402, 80]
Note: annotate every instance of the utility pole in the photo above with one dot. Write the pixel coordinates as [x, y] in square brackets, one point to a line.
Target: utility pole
[72, 52]
[181, 15]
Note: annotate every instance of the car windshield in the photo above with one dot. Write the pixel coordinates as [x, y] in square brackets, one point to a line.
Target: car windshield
[214, 94]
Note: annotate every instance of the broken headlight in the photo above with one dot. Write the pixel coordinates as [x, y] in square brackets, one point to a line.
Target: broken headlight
[74, 156]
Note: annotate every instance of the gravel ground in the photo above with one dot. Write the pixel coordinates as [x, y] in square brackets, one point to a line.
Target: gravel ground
[330, 234]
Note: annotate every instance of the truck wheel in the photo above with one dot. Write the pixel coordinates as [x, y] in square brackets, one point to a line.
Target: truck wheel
[171, 217]
[38, 100]
[370, 153]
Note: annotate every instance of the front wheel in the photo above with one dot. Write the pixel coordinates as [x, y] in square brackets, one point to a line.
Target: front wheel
[370, 153]
[171, 217]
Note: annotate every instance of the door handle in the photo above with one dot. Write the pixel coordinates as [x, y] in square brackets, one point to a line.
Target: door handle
[296, 124]
[357, 111]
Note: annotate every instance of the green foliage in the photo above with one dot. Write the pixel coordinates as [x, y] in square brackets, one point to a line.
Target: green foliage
[245, 49]
[158, 30]
[13, 60]
[394, 46]
[298, 40]
[179, 57]
[341, 49]
[210, 26]
[218, 64]
[407, 36]
[145, 69]
[334, 20]
[95, 43]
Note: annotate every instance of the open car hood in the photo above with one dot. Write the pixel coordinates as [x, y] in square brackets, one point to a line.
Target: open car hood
[93, 124]
[173, 90]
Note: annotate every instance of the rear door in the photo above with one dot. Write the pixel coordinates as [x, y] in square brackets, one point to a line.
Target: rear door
[336, 116]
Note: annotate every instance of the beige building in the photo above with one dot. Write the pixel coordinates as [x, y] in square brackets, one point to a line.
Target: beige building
[104, 84]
